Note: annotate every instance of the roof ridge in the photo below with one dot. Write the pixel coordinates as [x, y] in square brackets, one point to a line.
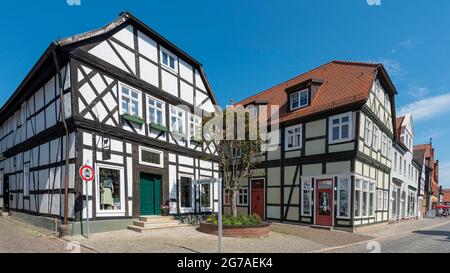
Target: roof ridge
[356, 63]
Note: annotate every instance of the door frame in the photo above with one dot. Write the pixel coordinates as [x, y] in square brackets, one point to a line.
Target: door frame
[316, 199]
[264, 195]
[160, 190]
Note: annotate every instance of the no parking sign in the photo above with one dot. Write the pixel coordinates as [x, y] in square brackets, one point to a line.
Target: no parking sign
[87, 174]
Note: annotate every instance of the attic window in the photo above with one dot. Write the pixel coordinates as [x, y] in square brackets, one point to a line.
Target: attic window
[299, 99]
[168, 60]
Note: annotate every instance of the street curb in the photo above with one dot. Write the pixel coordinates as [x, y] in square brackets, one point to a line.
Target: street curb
[377, 238]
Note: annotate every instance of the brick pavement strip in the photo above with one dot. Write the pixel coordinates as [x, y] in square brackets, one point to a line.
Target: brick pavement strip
[19, 237]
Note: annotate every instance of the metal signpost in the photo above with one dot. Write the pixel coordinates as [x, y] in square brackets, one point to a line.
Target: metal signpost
[87, 174]
[212, 181]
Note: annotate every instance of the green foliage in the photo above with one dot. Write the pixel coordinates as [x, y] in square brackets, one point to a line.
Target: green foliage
[237, 221]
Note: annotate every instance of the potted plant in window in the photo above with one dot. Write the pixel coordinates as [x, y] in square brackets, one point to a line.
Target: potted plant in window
[133, 118]
[165, 209]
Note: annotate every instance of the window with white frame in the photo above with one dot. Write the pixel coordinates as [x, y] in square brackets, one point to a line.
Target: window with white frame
[243, 197]
[404, 167]
[371, 198]
[307, 191]
[195, 127]
[340, 128]
[177, 120]
[110, 189]
[385, 200]
[358, 195]
[299, 99]
[368, 132]
[294, 137]
[365, 198]
[186, 192]
[384, 145]
[344, 198]
[376, 138]
[380, 200]
[151, 157]
[395, 161]
[401, 164]
[130, 101]
[389, 148]
[168, 59]
[26, 180]
[155, 111]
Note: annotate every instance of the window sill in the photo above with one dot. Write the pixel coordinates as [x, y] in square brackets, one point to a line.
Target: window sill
[339, 141]
[293, 149]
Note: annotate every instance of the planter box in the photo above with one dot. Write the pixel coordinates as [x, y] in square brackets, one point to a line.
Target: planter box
[158, 127]
[179, 136]
[133, 119]
[196, 142]
[261, 231]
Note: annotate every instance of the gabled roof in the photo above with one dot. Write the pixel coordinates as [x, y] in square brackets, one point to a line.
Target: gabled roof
[46, 60]
[341, 84]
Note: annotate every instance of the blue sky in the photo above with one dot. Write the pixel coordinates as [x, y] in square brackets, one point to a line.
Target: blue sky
[248, 46]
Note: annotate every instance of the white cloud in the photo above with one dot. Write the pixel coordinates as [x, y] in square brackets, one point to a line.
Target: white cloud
[393, 67]
[408, 43]
[426, 108]
[416, 90]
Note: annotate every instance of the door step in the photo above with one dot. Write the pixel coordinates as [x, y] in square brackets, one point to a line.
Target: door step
[4, 214]
[322, 227]
[148, 223]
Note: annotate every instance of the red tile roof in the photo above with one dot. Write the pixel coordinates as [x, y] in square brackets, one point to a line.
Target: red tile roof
[343, 83]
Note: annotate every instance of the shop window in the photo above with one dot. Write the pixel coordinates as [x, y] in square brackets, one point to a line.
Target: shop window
[344, 197]
[110, 189]
[372, 198]
[380, 200]
[358, 198]
[307, 191]
[186, 192]
[365, 201]
[385, 200]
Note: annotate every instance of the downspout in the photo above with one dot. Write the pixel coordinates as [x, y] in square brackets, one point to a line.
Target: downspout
[63, 118]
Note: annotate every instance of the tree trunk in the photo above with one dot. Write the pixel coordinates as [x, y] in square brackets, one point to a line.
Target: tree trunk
[233, 203]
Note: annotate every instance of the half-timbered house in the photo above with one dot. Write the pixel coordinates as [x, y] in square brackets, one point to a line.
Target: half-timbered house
[123, 100]
[333, 165]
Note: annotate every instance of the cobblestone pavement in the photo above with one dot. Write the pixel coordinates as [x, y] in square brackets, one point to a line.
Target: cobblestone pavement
[189, 240]
[428, 240]
[18, 237]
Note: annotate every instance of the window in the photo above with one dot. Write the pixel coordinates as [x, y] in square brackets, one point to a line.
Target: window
[384, 146]
[380, 200]
[111, 192]
[368, 132]
[227, 197]
[404, 167]
[394, 201]
[300, 99]
[156, 111]
[151, 157]
[243, 197]
[371, 198]
[294, 137]
[358, 198]
[130, 101]
[340, 128]
[205, 195]
[195, 127]
[177, 120]
[186, 192]
[26, 180]
[365, 199]
[307, 191]
[376, 138]
[168, 59]
[385, 200]
[344, 198]
[401, 164]
[395, 161]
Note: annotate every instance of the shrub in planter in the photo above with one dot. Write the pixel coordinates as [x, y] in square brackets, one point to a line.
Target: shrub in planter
[241, 226]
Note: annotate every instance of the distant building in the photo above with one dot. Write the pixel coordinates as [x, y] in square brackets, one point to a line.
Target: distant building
[446, 197]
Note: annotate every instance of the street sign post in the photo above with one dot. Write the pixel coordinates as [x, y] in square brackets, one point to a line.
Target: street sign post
[212, 181]
[87, 174]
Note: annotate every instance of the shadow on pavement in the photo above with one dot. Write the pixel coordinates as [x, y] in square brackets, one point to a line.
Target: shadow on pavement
[440, 233]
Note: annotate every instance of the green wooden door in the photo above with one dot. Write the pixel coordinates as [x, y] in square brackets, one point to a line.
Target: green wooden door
[150, 193]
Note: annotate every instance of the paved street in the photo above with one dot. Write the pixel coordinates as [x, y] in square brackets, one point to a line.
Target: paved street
[18, 237]
[434, 240]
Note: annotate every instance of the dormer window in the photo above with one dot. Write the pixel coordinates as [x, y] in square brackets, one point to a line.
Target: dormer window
[299, 99]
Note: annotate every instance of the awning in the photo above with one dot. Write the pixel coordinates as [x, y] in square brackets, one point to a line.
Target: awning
[442, 207]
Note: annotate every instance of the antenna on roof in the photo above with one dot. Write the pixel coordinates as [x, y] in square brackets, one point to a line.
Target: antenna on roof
[431, 140]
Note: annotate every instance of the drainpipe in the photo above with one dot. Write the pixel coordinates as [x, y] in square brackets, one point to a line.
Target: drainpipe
[63, 117]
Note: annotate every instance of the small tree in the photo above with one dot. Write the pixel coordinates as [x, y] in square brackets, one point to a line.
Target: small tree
[238, 145]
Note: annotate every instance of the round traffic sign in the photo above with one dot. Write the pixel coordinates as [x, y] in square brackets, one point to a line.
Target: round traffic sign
[87, 173]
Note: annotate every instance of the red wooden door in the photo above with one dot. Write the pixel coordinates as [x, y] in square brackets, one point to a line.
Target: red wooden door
[257, 206]
[324, 203]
